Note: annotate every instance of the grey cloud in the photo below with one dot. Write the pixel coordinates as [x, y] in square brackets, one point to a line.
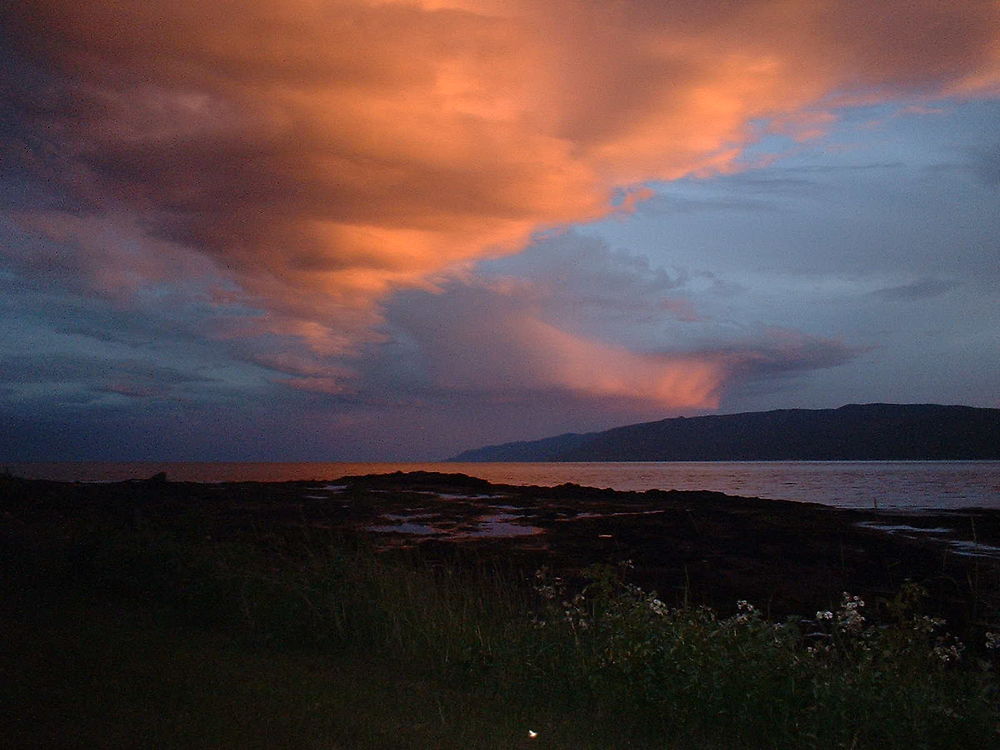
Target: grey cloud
[731, 193]
[583, 283]
[70, 368]
[134, 390]
[788, 352]
[917, 290]
[103, 334]
[666, 203]
[576, 261]
[776, 364]
[830, 169]
[986, 164]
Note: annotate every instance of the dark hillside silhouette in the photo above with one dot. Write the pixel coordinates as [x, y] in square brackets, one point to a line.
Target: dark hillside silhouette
[869, 432]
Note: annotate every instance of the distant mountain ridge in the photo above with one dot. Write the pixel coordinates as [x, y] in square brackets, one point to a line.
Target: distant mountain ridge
[856, 432]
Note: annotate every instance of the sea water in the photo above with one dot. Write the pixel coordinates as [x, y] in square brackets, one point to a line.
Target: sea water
[884, 485]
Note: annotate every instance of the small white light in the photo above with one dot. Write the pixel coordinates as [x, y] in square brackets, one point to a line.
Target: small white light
[532, 735]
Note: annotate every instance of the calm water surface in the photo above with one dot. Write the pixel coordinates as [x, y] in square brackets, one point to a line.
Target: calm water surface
[848, 484]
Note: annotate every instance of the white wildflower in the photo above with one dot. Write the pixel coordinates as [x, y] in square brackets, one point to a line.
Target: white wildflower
[658, 607]
[745, 611]
[925, 624]
[948, 653]
[849, 615]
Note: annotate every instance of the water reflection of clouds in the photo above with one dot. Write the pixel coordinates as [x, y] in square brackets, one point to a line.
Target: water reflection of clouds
[492, 525]
[964, 547]
[498, 525]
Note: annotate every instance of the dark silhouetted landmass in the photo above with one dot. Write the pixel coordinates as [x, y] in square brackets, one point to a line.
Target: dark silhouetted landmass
[869, 432]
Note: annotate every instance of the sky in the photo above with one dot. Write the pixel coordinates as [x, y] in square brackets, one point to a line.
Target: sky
[393, 230]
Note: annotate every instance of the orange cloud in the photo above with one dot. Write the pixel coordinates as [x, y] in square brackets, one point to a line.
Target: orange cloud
[323, 153]
[595, 369]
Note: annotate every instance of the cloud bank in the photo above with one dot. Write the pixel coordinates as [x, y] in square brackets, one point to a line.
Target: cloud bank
[305, 159]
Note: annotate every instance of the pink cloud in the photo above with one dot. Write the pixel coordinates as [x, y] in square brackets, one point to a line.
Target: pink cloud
[595, 369]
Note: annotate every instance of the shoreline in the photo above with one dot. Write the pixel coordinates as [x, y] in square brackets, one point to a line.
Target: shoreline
[700, 547]
[861, 485]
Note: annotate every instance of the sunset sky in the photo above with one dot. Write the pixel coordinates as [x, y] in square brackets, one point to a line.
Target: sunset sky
[349, 230]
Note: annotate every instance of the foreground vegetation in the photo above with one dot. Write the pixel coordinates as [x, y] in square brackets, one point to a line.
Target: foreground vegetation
[170, 634]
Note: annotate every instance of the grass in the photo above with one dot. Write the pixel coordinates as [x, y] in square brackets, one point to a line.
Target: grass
[167, 633]
[88, 677]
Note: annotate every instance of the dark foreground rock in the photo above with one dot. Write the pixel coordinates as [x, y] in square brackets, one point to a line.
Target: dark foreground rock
[694, 547]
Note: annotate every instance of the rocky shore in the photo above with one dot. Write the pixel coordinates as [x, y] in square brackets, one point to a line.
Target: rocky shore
[694, 547]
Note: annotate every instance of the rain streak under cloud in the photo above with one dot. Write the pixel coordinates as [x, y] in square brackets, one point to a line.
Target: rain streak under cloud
[392, 229]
